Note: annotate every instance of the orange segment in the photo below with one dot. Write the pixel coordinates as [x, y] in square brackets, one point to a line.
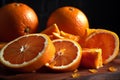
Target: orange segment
[91, 58]
[27, 53]
[67, 56]
[107, 40]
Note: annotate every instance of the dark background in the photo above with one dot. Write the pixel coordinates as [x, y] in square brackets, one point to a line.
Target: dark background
[101, 13]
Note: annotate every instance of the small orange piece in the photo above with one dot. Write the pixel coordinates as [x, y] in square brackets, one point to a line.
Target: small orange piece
[107, 40]
[64, 35]
[51, 29]
[93, 70]
[69, 36]
[67, 56]
[69, 19]
[112, 69]
[27, 53]
[17, 19]
[91, 58]
[87, 33]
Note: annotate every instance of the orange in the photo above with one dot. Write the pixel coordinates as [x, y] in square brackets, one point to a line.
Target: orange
[67, 56]
[107, 40]
[17, 19]
[27, 53]
[69, 19]
[91, 58]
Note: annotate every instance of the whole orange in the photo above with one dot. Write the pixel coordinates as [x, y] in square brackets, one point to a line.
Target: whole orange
[17, 19]
[69, 19]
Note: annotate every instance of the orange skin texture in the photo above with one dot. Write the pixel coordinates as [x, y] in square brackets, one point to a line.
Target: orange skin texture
[69, 19]
[17, 19]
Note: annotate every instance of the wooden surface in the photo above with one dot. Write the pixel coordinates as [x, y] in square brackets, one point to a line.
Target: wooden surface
[102, 74]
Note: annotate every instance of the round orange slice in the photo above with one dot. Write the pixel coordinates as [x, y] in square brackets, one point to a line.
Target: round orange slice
[27, 53]
[107, 40]
[67, 56]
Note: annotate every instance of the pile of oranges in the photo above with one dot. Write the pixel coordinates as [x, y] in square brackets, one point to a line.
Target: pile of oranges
[64, 45]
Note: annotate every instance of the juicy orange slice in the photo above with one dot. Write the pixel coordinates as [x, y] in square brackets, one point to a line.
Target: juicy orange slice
[27, 53]
[107, 40]
[67, 56]
[91, 58]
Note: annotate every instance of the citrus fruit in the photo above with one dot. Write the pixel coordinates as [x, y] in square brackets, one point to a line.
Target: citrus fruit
[64, 35]
[107, 40]
[67, 56]
[27, 53]
[69, 19]
[89, 31]
[69, 36]
[17, 19]
[51, 29]
[91, 58]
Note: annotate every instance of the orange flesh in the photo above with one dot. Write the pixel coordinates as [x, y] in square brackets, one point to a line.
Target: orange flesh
[65, 53]
[24, 49]
[103, 41]
[91, 58]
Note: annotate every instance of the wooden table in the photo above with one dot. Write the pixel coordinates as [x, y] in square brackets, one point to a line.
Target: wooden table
[102, 74]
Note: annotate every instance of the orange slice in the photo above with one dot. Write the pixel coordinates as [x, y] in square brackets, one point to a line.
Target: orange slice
[107, 40]
[67, 56]
[27, 53]
[91, 58]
